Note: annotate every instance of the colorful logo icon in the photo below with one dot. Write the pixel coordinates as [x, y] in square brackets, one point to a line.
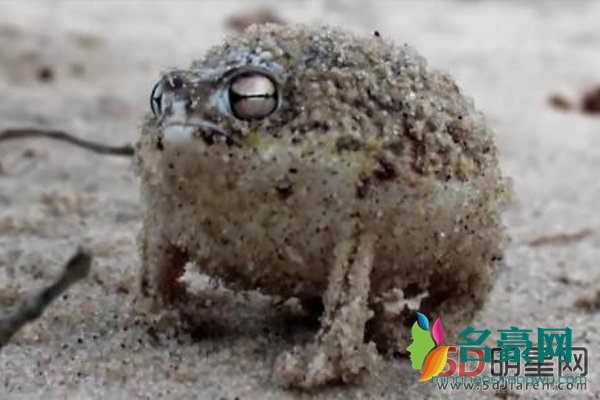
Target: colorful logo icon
[426, 354]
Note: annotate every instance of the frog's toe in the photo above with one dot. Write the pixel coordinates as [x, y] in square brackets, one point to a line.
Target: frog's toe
[316, 365]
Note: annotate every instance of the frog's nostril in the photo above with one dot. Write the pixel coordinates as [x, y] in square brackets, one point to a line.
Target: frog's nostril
[212, 136]
[185, 133]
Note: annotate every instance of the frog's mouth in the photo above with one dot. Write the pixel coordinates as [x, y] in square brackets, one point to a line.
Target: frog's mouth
[190, 131]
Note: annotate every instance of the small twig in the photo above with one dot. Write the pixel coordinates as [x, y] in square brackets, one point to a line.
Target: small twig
[561, 238]
[24, 133]
[76, 269]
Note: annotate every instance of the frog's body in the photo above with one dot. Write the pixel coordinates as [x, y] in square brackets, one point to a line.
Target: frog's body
[371, 177]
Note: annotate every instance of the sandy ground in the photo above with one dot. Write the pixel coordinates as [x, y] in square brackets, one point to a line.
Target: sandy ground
[103, 60]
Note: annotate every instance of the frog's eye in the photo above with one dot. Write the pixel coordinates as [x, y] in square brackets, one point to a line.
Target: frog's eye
[252, 96]
[156, 99]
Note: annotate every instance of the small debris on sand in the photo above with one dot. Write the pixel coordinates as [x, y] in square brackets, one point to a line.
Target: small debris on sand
[77, 70]
[590, 102]
[589, 304]
[559, 102]
[45, 74]
[239, 22]
[506, 394]
[10, 296]
[561, 238]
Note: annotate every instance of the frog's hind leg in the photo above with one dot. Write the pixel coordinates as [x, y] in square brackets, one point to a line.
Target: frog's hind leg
[338, 352]
[454, 294]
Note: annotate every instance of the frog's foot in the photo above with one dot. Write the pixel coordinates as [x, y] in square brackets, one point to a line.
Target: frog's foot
[339, 352]
[324, 362]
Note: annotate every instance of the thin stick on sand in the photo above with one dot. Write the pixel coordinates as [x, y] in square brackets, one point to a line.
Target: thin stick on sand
[76, 269]
[24, 133]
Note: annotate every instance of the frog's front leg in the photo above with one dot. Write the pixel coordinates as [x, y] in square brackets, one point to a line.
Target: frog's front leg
[163, 264]
[338, 353]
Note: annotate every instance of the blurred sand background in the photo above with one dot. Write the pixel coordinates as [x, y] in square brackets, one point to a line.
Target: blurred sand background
[88, 68]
